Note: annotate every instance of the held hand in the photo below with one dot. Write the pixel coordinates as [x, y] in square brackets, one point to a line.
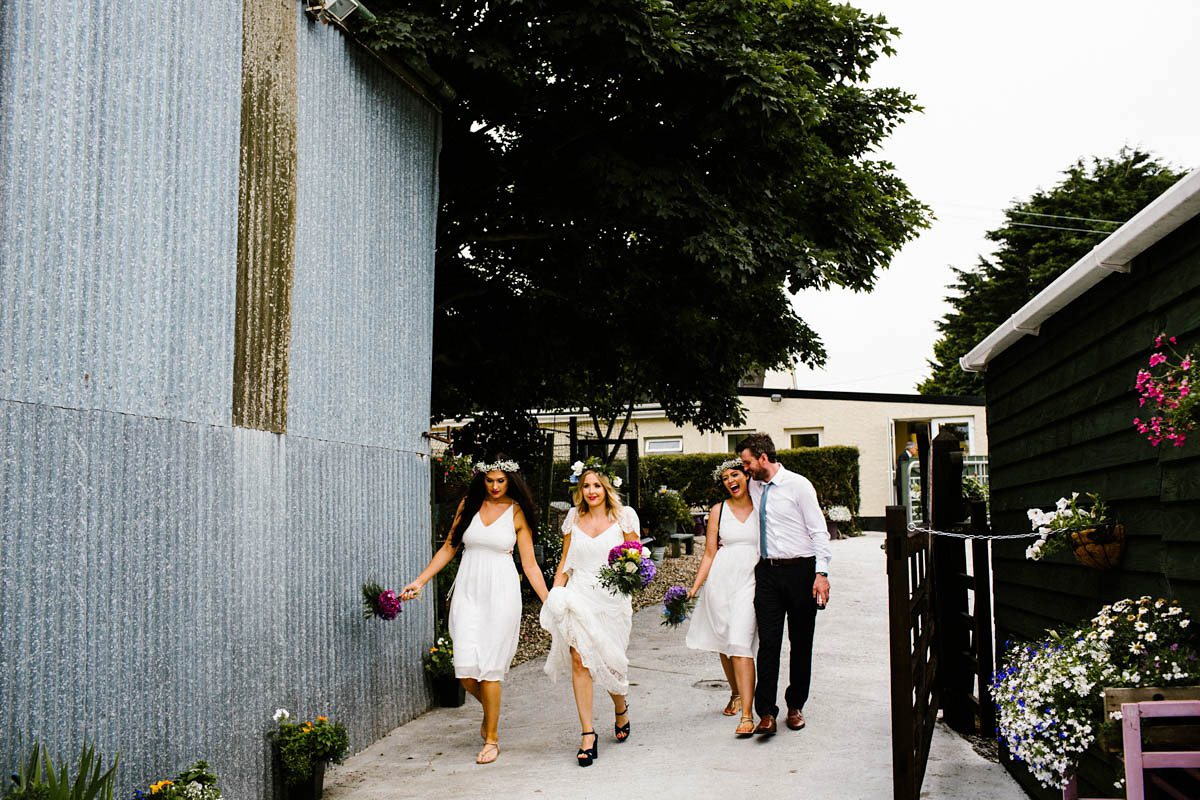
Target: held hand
[411, 591]
[692, 592]
[821, 590]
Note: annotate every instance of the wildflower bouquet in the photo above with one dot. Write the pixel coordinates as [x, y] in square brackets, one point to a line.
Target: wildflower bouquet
[194, 783]
[440, 660]
[1056, 526]
[1049, 709]
[1167, 388]
[379, 602]
[302, 746]
[677, 606]
[837, 514]
[629, 568]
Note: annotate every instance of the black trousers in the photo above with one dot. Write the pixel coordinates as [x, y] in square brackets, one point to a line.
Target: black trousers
[779, 592]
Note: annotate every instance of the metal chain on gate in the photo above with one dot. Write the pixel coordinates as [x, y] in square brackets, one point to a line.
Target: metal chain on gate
[913, 527]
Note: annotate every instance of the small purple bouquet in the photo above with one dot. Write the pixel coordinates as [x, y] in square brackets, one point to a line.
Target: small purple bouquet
[677, 606]
[629, 568]
[379, 602]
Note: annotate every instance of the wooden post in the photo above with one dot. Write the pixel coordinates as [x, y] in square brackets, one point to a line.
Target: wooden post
[957, 674]
[981, 569]
[899, 646]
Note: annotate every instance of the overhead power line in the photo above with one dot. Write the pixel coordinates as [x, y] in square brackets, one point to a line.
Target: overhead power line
[1058, 228]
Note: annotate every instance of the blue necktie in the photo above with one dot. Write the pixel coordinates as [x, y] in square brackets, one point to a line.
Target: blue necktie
[762, 520]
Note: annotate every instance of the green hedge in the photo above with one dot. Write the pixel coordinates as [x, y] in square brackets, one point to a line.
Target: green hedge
[833, 471]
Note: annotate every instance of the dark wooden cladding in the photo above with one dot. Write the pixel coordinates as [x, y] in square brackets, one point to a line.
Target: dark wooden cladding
[1060, 419]
[266, 215]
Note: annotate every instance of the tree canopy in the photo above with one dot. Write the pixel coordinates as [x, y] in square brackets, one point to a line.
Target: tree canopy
[1041, 238]
[630, 189]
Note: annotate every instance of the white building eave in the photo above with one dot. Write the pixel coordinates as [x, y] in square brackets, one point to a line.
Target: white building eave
[1163, 216]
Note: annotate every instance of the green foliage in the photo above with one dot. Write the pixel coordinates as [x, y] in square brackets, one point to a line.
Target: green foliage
[513, 433]
[661, 510]
[551, 540]
[440, 660]
[832, 470]
[37, 778]
[196, 782]
[623, 184]
[303, 745]
[1028, 258]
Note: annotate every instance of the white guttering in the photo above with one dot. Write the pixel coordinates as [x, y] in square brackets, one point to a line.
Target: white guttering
[1165, 214]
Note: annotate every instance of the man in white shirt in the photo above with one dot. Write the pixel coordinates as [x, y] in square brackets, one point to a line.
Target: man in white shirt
[791, 579]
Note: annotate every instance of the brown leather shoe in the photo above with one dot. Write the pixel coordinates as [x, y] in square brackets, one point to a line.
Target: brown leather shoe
[766, 726]
[795, 720]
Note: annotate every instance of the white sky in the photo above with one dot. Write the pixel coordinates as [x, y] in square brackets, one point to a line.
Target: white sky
[1013, 93]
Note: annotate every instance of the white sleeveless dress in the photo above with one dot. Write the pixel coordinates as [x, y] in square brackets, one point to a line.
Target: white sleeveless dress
[485, 603]
[723, 620]
[585, 615]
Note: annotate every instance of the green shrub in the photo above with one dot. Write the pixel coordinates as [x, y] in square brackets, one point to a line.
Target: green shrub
[37, 778]
[303, 745]
[832, 470]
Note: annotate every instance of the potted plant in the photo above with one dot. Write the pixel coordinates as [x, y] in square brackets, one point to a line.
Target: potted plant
[304, 749]
[451, 476]
[448, 690]
[196, 782]
[834, 515]
[1167, 388]
[1091, 534]
[661, 512]
[1049, 694]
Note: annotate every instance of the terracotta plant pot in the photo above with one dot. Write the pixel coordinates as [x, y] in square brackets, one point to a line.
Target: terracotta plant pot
[1099, 547]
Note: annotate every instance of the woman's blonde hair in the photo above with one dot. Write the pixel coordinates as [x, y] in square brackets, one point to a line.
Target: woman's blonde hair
[612, 501]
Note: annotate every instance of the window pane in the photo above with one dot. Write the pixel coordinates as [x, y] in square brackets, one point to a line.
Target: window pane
[664, 445]
[732, 439]
[806, 440]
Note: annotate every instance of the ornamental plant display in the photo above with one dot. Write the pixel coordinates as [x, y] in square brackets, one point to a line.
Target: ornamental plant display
[379, 602]
[837, 514]
[304, 745]
[677, 606]
[661, 511]
[1166, 387]
[629, 568]
[1048, 698]
[196, 782]
[440, 660]
[1056, 526]
[38, 779]
[455, 470]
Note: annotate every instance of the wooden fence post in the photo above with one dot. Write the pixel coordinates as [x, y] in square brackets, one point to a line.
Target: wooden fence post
[981, 570]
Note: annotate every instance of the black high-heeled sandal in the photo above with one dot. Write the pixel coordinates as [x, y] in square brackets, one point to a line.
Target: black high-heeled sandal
[622, 731]
[586, 757]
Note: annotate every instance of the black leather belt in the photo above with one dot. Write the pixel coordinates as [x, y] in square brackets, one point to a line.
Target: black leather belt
[788, 562]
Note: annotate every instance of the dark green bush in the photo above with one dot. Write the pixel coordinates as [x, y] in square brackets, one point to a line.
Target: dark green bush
[832, 470]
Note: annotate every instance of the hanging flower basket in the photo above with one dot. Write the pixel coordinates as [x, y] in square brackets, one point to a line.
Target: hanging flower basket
[1099, 547]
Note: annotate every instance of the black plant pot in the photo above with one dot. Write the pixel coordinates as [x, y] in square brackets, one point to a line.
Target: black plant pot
[307, 790]
[448, 691]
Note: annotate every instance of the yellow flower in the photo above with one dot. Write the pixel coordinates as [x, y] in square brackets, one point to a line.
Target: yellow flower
[155, 788]
[322, 719]
[433, 649]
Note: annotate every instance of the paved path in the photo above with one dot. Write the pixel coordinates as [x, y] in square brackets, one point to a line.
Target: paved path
[681, 745]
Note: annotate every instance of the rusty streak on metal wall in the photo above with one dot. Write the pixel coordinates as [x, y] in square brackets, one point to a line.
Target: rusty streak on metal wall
[266, 216]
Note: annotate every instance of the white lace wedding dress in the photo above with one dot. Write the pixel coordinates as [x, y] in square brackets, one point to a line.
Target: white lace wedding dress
[585, 615]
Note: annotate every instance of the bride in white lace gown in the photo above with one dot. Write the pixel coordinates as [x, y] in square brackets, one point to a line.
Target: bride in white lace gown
[590, 624]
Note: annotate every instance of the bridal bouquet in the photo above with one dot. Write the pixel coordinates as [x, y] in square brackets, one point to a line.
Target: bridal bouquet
[379, 602]
[677, 606]
[629, 568]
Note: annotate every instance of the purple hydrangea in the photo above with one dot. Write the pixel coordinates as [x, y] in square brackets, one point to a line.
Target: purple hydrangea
[647, 571]
[674, 594]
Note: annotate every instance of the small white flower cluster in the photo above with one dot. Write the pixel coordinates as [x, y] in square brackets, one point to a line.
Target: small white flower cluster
[1066, 516]
[594, 465]
[281, 715]
[838, 514]
[733, 463]
[505, 466]
[1148, 628]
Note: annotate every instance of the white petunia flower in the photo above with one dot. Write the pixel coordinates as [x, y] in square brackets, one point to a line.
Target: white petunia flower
[281, 713]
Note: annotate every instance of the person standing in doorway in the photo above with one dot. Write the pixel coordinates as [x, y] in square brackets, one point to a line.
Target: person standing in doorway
[910, 452]
[791, 578]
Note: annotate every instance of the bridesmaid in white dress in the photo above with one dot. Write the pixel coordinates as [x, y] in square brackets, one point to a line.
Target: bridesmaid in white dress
[723, 620]
[485, 603]
[590, 624]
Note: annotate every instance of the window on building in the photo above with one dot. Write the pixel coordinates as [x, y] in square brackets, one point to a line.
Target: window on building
[672, 444]
[733, 437]
[806, 440]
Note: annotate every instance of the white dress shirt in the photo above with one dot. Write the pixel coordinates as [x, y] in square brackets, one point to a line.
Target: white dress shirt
[795, 524]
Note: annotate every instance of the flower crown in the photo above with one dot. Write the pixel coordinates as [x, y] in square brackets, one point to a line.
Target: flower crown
[593, 464]
[508, 465]
[733, 463]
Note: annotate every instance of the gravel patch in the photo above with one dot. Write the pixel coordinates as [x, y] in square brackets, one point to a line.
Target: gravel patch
[535, 641]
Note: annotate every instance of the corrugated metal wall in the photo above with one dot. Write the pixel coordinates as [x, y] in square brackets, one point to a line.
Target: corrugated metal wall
[167, 580]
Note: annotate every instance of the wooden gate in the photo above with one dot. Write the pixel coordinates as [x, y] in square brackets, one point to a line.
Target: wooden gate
[940, 641]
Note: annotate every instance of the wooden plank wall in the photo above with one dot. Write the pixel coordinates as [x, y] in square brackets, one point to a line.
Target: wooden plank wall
[1060, 419]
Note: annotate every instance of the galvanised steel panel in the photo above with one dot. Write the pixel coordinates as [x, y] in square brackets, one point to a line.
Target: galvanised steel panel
[165, 585]
[118, 204]
[362, 301]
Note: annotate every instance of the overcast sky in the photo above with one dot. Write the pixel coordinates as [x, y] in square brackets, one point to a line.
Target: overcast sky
[1013, 94]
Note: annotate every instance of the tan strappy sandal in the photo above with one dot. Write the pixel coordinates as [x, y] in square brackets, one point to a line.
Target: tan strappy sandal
[734, 706]
[489, 753]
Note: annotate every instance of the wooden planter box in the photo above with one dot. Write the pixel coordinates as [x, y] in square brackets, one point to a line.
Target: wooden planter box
[1156, 737]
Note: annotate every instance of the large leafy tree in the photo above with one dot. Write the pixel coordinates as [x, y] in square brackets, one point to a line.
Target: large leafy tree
[631, 188]
[1041, 238]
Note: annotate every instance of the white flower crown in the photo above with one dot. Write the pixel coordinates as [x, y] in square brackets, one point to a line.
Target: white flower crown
[594, 465]
[506, 466]
[733, 463]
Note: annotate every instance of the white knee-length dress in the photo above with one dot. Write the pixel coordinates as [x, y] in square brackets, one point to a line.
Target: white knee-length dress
[586, 616]
[723, 620]
[485, 604]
